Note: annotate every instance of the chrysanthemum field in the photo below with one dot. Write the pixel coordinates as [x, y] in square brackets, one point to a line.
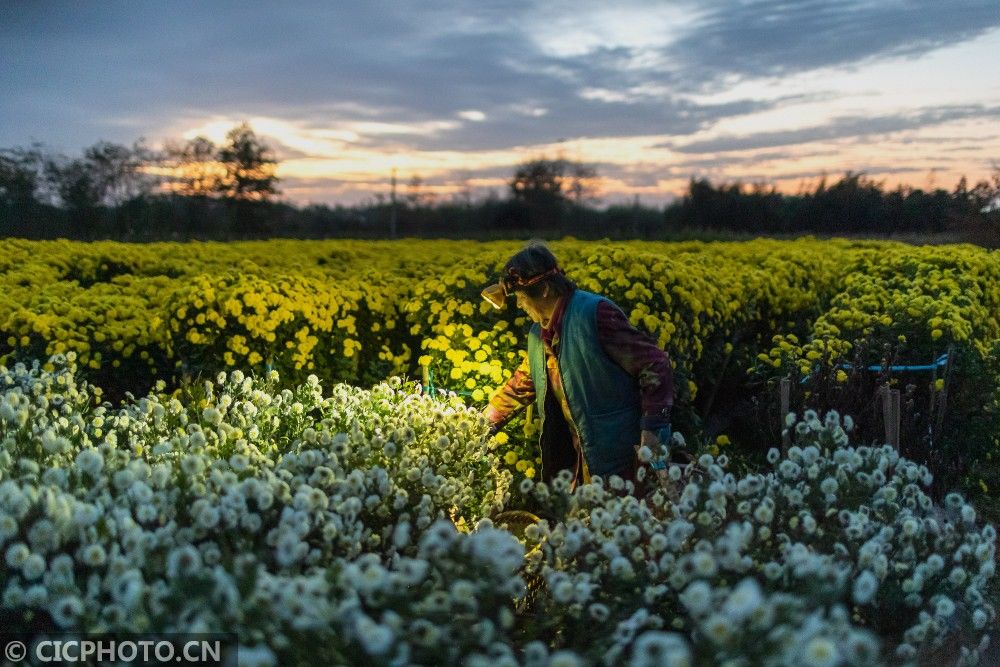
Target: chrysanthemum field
[282, 440]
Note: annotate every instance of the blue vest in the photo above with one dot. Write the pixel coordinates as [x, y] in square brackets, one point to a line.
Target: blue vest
[603, 399]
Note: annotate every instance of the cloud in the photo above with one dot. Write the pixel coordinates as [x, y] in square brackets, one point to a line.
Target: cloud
[838, 128]
[751, 159]
[762, 38]
[178, 63]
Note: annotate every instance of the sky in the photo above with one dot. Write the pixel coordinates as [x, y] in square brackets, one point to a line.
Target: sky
[651, 94]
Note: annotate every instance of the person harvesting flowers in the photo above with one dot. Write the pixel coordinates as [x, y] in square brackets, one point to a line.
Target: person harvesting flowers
[602, 387]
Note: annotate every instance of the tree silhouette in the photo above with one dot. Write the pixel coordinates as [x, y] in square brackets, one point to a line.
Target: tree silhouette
[546, 187]
[249, 167]
[19, 175]
[22, 180]
[249, 180]
[79, 193]
[194, 166]
[118, 172]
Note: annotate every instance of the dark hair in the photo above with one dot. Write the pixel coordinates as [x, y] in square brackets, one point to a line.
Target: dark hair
[533, 260]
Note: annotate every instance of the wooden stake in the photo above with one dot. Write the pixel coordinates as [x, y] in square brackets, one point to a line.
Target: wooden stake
[890, 414]
[895, 415]
[883, 395]
[933, 401]
[786, 391]
[943, 396]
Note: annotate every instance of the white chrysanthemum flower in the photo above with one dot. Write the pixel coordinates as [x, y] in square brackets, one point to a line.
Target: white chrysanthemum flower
[744, 600]
[658, 542]
[90, 462]
[621, 567]
[66, 610]
[764, 513]
[128, 589]
[8, 527]
[376, 639]
[704, 564]
[53, 443]
[968, 514]
[208, 517]
[563, 591]
[820, 652]
[772, 570]
[789, 469]
[413, 570]
[660, 649]
[717, 628]
[13, 595]
[944, 607]
[93, 555]
[211, 416]
[17, 555]
[239, 462]
[183, 561]
[536, 654]
[865, 586]
[401, 534]
[85, 515]
[196, 440]
[697, 597]
[33, 567]
[862, 648]
[463, 593]
[256, 656]
[8, 411]
[192, 464]
[146, 513]
[565, 658]
[599, 612]
[954, 501]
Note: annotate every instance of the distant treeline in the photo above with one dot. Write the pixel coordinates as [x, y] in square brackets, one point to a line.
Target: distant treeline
[198, 190]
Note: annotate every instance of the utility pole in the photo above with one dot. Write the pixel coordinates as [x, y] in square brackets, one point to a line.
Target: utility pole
[392, 213]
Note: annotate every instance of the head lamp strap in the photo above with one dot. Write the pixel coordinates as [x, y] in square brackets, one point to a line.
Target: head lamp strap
[514, 281]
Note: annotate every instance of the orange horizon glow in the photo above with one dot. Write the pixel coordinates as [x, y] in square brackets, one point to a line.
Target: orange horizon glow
[340, 171]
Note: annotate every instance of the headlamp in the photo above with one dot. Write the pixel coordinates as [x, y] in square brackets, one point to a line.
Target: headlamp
[497, 293]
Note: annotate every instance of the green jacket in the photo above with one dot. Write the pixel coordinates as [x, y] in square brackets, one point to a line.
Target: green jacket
[604, 400]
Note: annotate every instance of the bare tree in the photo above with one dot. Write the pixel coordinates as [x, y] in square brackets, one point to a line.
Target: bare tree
[194, 166]
[119, 173]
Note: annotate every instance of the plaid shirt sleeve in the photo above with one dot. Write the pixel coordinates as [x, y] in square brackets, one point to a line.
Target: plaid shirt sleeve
[639, 355]
[508, 399]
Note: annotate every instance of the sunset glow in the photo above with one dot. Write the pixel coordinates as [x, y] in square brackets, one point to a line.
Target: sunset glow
[651, 97]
